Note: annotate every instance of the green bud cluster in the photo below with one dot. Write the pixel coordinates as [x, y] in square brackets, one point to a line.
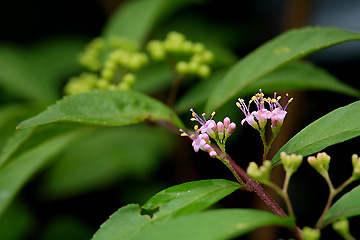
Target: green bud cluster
[342, 228]
[176, 44]
[90, 58]
[260, 174]
[291, 162]
[116, 71]
[122, 43]
[320, 162]
[83, 83]
[356, 165]
[310, 233]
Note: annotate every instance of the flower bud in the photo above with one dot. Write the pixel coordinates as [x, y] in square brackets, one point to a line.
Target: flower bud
[198, 47]
[310, 234]
[261, 174]
[207, 56]
[213, 154]
[231, 128]
[356, 166]
[129, 79]
[342, 228]
[226, 122]
[291, 162]
[320, 162]
[203, 71]
[220, 129]
[182, 67]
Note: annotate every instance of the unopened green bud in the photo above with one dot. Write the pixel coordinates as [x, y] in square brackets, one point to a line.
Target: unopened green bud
[123, 86]
[111, 65]
[107, 73]
[196, 58]
[129, 79]
[342, 228]
[261, 174]
[356, 166]
[198, 47]
[207, 56]
[310, 234]
[320, 162]
[204, 71]
[291, 162]
[186, 47]
[175, 36]
[102, 84]
[79, 84]
[156, 49]
[136, 61]
[193, 67]
[182, 67]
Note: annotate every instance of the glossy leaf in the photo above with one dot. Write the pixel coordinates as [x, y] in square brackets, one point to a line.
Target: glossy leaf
[299, 76]
[337, 126]
[347, 206]
[135, 19]
[107, 108]
[13, 143]
[292, 76]
[105, 157]
[213, 224]
[175, 201]
[17, 172]
[287, 47]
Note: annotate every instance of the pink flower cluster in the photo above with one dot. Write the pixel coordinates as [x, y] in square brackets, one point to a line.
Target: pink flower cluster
[219, 131]
[257, 119]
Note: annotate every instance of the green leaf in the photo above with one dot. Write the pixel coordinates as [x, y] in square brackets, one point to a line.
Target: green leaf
[107, 108]
[287, 47]
[347, 206]
[17, 172]
[106, 157]
[213, 224]
[175, 201]
[13, 143]
[135, 19]
[17, 222]
[299, 76]
[292, 76]
[337, 126]
[23, 70]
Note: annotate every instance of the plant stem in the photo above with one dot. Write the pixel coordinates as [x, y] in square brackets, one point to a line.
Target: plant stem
[251, 184]
[173, 92]
[286, 195]
[332, 194]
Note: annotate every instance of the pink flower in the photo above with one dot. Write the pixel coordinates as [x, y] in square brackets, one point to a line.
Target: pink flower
[198, 143]
[249, 117]
[278, 112]
[207, 126]
[278, 117]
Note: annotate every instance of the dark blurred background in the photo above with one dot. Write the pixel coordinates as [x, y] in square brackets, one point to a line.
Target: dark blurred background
[244, 26]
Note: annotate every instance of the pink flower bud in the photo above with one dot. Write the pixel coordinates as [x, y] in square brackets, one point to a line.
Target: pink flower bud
[208, 148]
[220, 127]
[231, 128]
[205, 137]
[213, 154]
[226, 122]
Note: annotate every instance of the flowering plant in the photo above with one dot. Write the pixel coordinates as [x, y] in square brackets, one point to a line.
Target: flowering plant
[113, 138]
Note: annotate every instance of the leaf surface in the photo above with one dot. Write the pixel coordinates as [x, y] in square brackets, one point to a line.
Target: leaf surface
[17, 172]
[287, 47]
[175, 201]
[107, 108]
[337, 126]
[347, 206]
[213, 224]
